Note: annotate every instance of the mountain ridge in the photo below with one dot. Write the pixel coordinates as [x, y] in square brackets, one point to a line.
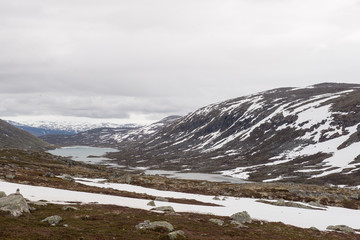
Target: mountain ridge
[12, 137]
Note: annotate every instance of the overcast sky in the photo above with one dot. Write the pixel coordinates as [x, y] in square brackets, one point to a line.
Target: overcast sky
[116, 59]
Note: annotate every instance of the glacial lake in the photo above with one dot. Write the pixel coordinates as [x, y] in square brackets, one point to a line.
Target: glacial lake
[82, 153]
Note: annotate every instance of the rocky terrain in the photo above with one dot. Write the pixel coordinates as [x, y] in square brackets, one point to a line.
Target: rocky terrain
[290, 134]
[44, 220]
[12, 137]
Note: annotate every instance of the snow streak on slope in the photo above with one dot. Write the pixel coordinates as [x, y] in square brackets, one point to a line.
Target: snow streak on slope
[288, 133]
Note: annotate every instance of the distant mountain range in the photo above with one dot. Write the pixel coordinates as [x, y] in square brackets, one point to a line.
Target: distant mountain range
[110, 137]
[63, 126]
[12, 137]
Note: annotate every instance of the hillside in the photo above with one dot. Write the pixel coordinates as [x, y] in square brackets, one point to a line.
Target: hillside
[290, 134]
[12, 137]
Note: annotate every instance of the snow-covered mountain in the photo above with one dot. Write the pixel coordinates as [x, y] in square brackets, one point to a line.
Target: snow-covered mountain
[44, 125]
[110, 137]
[293, 134]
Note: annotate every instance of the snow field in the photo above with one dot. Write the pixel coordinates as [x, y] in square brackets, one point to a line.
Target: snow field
[304, 218]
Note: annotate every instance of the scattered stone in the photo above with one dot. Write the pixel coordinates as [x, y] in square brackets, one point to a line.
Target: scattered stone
[69, 208]
[216, 221]
[216, 198]
[128, 179]
[15, 204]
[68, 177]
[314, 229]
[238, 224]
[161, 226]
[151, 203]
[2, 194]
[161, 199]
[165, 209]
[316, 204]
[10, 176]
[241, 217]
[49, 174]
[283, 203]
[355, 196]
[52, 220]
[39, 203]
[176, 235]
[341, 228]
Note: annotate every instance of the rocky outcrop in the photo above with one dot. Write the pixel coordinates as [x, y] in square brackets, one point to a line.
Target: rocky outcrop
[161, 226]
[15, 204]
[2, 194]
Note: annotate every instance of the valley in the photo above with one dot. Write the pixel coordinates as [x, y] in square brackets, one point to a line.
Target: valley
[293, 154]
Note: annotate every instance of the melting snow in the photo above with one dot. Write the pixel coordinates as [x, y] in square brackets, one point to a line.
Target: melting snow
[295, 216]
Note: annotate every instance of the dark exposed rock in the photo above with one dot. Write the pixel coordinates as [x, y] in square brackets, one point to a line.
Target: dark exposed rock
[151, 203]
[2, 194]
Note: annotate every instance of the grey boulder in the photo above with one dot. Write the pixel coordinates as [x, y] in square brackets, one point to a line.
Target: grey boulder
[15, 204]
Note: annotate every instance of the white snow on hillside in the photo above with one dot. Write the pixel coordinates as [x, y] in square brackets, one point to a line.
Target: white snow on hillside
[304, 218]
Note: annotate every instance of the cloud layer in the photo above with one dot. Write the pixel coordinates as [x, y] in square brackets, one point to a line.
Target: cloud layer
[114, 58]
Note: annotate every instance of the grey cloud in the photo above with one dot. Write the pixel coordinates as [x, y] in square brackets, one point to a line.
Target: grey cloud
[112, 58]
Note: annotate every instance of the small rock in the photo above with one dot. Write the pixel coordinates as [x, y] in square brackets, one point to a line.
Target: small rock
[10, 176]
[2, 194]
[151, 203]
[216, 221]
[314, 229]
[39, 203]
[52, 220]
[128, 179]
[161, 199]
[341, 228]
[49, 174]
[161, 226]
[216, 198]
[68, 177]
[238, 224]
[176, 235]
[166, 209]
[242, 217]
[316, 204]
[69, 208]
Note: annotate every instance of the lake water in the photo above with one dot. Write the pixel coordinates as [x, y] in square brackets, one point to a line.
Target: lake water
[82, 153]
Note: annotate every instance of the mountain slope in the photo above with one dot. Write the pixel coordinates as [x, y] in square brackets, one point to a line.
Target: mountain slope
[294, 134]
[12, 137]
